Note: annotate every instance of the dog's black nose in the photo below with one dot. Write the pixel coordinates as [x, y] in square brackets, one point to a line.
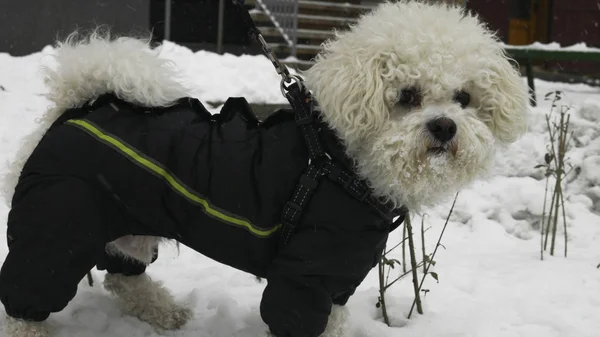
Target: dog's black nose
[443, 128]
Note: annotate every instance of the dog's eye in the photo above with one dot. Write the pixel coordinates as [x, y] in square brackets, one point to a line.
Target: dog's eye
[409, 97]
[463, 98]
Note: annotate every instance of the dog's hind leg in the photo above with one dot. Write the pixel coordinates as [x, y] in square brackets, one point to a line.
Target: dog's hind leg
[148, 300]
[142, 297]
[56, 231]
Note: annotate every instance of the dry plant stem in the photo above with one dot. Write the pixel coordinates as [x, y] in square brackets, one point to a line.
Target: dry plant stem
[413, 262]
[557, 187]
[564, 220]
[434, 252]
[549, 225]
[387, 277]
[382, 289]
[404, 238]
[402, 275]
[562, 153]
[559, 139]
[542, 222]
[559, 173]
[384, 286]
[384, 275]
[423, 241]
[554, 225]
[401, 242]
[551, 133]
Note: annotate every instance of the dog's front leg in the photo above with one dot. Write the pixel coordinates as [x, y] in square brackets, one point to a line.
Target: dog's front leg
[337, 325]
[148, 300]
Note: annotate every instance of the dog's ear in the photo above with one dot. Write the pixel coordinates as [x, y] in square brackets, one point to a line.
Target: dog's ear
[348, 84]
[505, 98]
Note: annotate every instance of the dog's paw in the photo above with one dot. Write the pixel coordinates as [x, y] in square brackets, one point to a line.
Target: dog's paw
[337, 325]
[172, 318]
[20, 328]
[148, 300]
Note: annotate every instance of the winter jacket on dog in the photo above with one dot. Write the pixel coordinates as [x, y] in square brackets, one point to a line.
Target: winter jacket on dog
[216, 183]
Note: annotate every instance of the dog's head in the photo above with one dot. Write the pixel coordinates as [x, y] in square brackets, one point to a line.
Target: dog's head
[419, 94]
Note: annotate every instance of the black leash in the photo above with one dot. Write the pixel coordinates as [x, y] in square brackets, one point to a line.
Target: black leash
[320, 164]
[255, 33]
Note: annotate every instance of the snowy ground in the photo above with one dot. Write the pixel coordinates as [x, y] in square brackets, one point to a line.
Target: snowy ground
[492, 282]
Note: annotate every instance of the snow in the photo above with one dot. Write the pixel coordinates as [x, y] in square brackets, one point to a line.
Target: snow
[217, 77]
[492, 282]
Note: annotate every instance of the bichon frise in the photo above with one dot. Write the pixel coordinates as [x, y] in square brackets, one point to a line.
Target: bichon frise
[413, 99]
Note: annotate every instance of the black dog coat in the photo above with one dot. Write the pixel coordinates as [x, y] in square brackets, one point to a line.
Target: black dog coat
[215, 183]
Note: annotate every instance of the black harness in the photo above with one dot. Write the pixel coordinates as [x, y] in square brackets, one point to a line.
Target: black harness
[320, 164]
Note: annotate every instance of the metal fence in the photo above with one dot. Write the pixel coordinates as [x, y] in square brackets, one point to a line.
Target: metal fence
[284, 16]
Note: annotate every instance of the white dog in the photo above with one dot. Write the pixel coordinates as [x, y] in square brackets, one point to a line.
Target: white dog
[419, 94]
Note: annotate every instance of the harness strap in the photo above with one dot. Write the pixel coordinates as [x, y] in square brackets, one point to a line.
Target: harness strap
[305, 117]
[302, 104]
[357, 188]
[293, 209]
[320, 164]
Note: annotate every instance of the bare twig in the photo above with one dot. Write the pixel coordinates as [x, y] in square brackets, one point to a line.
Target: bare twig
[558, 131]
[402, 275]
[564, 221]
[423, 242]
[382, 290]
[413, 262]
[542, 222]
[404, 249]
[548, 227]
[401, 242]
[431, 259]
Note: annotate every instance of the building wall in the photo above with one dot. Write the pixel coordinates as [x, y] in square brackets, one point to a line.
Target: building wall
[576, 21]
[29, 25]
[495, 13]
[195, 25]
[564, 21]
[569, 21]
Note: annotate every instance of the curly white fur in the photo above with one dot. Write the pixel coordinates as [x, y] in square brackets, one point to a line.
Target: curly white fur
[14, 327]
[148, 300]
[87, 67]
[337, 323]
[137, 247]
[439, 50]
